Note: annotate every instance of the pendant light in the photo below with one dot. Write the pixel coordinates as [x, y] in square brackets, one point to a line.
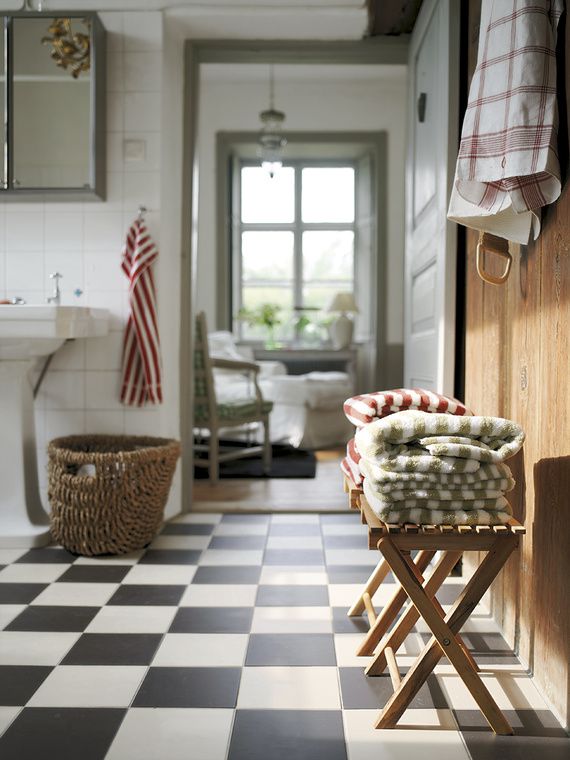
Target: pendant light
[271, 140]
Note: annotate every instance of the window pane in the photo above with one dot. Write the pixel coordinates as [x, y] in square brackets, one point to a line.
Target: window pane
[320, 296]
[328, 194]
[253, 297]
[267, 256]
[328, 255]
[267, 199]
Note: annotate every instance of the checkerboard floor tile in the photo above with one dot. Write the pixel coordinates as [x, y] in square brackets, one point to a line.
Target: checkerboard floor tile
[228, 639]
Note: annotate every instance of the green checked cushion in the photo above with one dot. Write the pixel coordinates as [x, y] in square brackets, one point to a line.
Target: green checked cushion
[235, 410]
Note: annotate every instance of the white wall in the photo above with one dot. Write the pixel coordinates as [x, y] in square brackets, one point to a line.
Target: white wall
[351, 98]
[83, 241]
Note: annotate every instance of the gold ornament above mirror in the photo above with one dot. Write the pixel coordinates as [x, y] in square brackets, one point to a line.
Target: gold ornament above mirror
[70, 50]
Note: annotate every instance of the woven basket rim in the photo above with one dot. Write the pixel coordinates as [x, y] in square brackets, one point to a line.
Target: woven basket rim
[150, 447]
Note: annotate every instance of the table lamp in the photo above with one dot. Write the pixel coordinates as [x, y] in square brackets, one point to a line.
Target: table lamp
[342, 328]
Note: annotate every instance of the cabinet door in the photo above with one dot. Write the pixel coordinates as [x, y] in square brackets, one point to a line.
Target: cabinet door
[430, 238]
[52, 109]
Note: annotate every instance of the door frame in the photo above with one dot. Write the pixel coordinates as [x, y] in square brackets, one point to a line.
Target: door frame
[389, 50]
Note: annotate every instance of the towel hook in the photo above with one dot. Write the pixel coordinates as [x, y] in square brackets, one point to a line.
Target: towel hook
[500, 247]
[141, 213]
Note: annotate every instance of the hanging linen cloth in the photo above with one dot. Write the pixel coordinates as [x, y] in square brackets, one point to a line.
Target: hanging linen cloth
[141, 348]
[508, 167]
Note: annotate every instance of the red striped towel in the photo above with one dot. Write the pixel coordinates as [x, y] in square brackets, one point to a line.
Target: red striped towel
[141, 347]
[349, 464]
[368, 407]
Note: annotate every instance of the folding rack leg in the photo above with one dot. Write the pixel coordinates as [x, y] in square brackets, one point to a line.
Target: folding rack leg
[392, 608]
[372, 585]
[444, 631]
[396, 637]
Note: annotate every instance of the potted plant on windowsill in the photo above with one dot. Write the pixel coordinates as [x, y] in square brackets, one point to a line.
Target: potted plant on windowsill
[266, 315]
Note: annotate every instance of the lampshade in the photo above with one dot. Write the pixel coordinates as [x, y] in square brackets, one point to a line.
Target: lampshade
[343, 301]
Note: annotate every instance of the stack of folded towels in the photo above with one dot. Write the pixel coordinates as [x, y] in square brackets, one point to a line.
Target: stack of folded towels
[427, 467]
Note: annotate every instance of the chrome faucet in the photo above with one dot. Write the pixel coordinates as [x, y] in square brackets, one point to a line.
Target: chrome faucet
[56, 297]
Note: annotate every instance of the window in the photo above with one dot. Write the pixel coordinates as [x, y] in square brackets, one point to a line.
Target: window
[294, 244]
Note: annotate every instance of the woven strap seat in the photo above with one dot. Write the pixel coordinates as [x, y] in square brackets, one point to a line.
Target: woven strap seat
[234, 410]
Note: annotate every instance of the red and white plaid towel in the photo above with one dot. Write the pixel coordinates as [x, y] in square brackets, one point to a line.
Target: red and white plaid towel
[368, 407]
[141, 347]
[507, 167]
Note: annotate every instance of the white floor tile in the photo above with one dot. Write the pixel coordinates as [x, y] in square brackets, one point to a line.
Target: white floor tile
[117, 559]
[8, 612]
[222, 650]
[510, 691]
[283, 575]
[180, 542]
[295, 518]
[345, 594]
[32, 573]
[7, 715]
[172, 734]
[79, 594]
[364, 742]
[160, 574]
[294, 542]
[292, 620]
[132, 619]
[241, 529]
[289, 689]
[231, 557]
[10, 555]
[352, 557]
[345, 645]
[85, 686]
[214, 595]
[35, 647]
[208, 518]
[345, 529]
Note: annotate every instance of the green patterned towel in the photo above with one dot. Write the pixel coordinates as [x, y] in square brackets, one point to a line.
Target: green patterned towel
[498, 473]
[413, 441]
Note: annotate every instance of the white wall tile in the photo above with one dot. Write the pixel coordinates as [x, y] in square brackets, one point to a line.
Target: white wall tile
[113, 300]
[142, 31]
[142, 72]
[141, 188]
[141, 421]
[63, 390]
[104, 422]
[25, 231]
[142, 111]
[103, 232]
[71, 356]
[113, 23]
[59, 423]
[115, 71]
[114, 152]
[151, 159]
[63, 231]
[104, 353]
[102, 390]
[69, 264]
[25, 271]
[115, 112]
[103, 272]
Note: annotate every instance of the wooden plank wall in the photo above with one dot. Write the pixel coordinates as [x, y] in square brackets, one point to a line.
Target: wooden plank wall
[517, 366]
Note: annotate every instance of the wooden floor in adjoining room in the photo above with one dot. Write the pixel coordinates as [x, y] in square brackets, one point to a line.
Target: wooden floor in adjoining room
[324, 493]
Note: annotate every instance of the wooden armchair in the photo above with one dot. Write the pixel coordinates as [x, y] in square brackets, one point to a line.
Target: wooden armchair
[213, 415]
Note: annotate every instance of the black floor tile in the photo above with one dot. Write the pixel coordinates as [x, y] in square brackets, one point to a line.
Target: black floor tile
[20, 593]
[290, 649]
[352, 574]
[19, 682]
[525, 723]
[56, 618]
[292, 596]
[359, 692]
[189, 687]
[61, 733]
[448, 593]
[245, 518]
[245, 574]
[170, 557]
[346, 542]
[147, 594]
[346, 518]
[212, 620]
[293, 557]
[113, 649]
[47, 555]
[341, 623]
[188, 529]
[237, 542]
[287, 734]
[94, 574]
[295, 529]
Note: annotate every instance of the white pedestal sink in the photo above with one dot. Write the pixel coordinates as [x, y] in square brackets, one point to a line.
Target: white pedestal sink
[28, 332]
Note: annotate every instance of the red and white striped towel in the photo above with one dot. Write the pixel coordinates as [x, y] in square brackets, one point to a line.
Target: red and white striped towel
[350, 464]
[367, 407]
[141, 347]
[507, 167]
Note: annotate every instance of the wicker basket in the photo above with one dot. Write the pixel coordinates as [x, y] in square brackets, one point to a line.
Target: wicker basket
[108, 493]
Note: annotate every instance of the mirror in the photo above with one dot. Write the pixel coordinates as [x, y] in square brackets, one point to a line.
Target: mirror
[54, 92]
[2, 102]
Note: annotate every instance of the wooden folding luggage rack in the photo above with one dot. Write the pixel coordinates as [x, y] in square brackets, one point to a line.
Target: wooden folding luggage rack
[396, 542]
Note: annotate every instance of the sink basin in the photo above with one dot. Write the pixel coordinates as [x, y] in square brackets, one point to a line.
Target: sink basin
[27, 332]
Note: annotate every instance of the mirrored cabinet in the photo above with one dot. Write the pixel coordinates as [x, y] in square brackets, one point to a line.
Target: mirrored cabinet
[52, 87]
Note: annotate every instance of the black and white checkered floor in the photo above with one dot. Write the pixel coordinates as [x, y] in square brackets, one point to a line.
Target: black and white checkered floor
[228, 638]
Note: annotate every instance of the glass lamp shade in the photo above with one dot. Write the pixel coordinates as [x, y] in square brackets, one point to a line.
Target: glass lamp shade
[271, 142]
